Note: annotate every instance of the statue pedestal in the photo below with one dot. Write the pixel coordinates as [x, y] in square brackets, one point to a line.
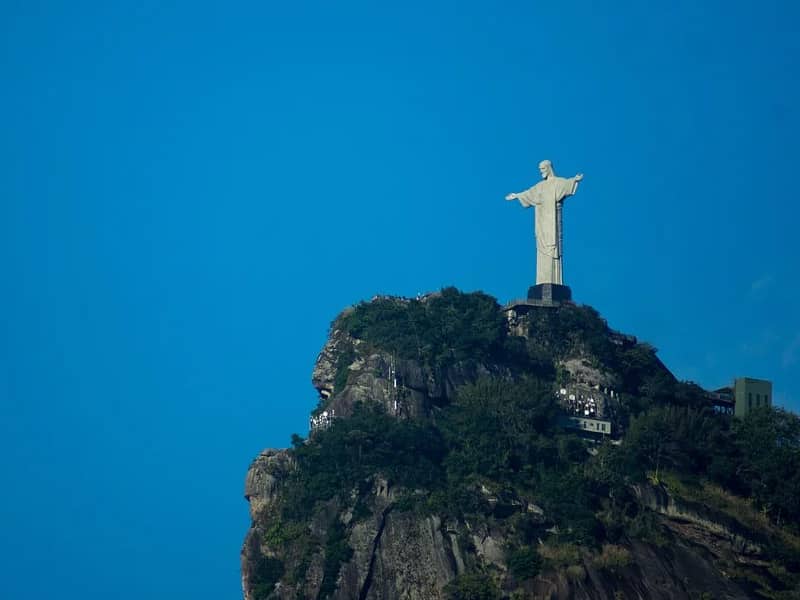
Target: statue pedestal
[550, 294]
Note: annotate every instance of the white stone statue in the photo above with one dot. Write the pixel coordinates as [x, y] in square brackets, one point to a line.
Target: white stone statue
[546, 198]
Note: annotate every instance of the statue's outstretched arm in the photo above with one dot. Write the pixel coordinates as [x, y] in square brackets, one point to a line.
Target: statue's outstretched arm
[574, 181]
[526, 198]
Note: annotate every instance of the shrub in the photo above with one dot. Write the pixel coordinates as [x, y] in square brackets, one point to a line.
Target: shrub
[265, 575]
[337, 553]
[612, 558]
[559, 556]
[575, 573]
[472, 586]
[352, 450]
[524, 563]
[646, 526]
[495, 427]
[441, 330]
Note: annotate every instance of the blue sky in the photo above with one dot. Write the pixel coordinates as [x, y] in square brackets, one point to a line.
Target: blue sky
[190, 192]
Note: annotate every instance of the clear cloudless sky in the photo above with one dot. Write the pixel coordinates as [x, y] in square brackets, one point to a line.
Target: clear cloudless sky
[191, 191]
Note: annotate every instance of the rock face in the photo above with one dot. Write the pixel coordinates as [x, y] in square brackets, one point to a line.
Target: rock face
[376, 377]
[682, 571]
[264, 478]
[389, 551]
[399, 554]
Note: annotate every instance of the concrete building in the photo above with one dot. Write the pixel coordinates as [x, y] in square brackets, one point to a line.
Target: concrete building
[592, 427]
[750, 394]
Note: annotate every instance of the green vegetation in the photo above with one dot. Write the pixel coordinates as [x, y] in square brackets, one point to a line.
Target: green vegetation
[498, 439]
[500, 430]
[646, 526]
[561, 555]
[524, 563]
[439, 331]
[346, 456]
[612, 558]
[337, 553]
[757, 457]
[447, 328]
[495, 450]
[571, 329]
[453, 326]
[765, 462]
[266, 574]
[472, 586]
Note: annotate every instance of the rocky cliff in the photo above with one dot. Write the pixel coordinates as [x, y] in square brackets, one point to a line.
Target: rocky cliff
[436, 469]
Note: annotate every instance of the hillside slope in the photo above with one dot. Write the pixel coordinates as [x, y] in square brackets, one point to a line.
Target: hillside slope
[440, 467]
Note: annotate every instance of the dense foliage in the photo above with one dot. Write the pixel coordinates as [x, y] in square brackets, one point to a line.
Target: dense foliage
[473, 586]
[445, 328]
[337, 552]
[756, 457]
[336, 461]
[500, 430]
[265, 574]
[572, 328]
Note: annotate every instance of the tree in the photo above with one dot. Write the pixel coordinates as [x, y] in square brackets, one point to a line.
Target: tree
[472, 586]
[768, 442]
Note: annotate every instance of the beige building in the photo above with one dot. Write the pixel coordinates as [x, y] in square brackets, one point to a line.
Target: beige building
[588, 425]
[749, 394]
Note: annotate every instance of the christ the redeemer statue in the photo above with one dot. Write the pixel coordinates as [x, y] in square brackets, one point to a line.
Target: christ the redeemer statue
[546, 198]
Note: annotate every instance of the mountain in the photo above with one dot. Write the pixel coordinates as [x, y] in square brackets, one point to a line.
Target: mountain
[466, 450]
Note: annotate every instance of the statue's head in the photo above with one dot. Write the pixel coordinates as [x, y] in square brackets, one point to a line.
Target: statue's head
[546, 169]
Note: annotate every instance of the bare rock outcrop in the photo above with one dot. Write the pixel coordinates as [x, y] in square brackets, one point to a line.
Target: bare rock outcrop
[348, 372]
[262, 483]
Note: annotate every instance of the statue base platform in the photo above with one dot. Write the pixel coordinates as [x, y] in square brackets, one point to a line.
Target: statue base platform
[549, 294]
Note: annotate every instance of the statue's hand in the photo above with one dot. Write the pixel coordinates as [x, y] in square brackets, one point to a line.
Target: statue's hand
[511, 197]
[579, 176]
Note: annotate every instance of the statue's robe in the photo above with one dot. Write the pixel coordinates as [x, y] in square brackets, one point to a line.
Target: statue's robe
[545, 197]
